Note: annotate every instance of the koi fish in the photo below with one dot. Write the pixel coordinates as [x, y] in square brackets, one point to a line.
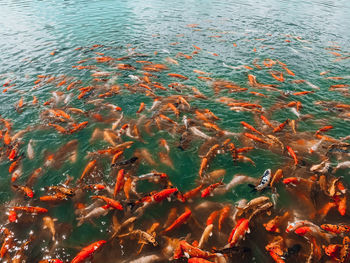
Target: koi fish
[255, 138]
[238, 231]
[88, 168]
[336, 229]
[205, 235]
[177, 76]
[120, 180]
[179, 221]
[30, 209]
[264, 181]
[292, 154]
[281, 126]
[248, 126]
[110, 202]
[207, 191]
[277, 75]
[88, 251]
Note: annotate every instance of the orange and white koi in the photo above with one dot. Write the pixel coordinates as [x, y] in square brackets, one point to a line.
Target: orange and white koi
[238, 231]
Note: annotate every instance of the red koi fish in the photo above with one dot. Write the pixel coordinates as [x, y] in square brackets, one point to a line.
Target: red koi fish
[325, 128]
[190, 194]
[207, 191]
[238, 231]
[12, 215]
[179, 221]
[160, 196]
[25, 189]
[87, 251]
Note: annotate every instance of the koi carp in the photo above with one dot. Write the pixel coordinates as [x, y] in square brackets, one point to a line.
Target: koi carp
[88, 251]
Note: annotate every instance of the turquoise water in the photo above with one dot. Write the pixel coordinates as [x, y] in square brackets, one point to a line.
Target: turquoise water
[31, 30]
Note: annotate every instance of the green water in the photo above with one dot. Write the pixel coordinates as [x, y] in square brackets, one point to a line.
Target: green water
[30, 30]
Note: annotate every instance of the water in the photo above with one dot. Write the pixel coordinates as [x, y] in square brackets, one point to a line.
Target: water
[31, 30]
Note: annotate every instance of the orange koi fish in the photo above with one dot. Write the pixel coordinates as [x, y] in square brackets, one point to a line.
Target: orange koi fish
[212, 217]
[336, 229]
[266, 121]
[238, 231]
[251, 128]
[201, 72]
[88, 168]
[177, 76]
[288, 71]
[190, 194]
[269, 63]
[258, 94]
[25, 189]
[292, 154]
[119, 182]
[207, 191]
[255, 138]
[281, 126]
[179, 221]
[141, 108]
[87, 252]
[30, 209]
[203, 166]
[302, 93]
[274, 224]
[110, 202]
[224, 213]
[277, 75]
[160, 196]
[192, 251]
[325, 128]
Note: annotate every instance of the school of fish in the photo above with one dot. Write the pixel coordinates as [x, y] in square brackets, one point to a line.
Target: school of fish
[191, 225]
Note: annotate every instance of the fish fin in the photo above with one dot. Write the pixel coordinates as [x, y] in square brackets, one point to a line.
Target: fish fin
[80, 221]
